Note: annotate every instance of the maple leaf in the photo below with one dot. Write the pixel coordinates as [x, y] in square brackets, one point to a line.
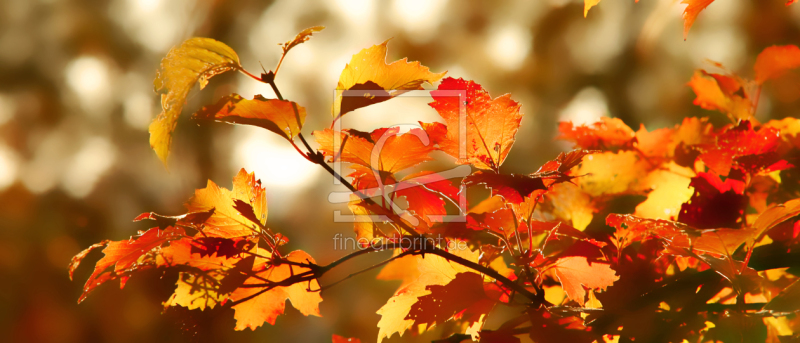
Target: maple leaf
[433, 270]
[776, 60]
[208, 277]
[195, 61]
[745, 149]
[121, 256]
[727, 94]
[264, 298]
[491, 124]
[445, 301]
[370, 80]
[283, 117]
[693, 9]
[227, 221]
[574, 272]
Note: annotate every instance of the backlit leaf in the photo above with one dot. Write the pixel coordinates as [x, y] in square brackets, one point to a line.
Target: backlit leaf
[574, 272]
[693, 9]
[371, 80]
[267, 302]
[194, 61]
[776, 60]
[283, 117]
[491, 124]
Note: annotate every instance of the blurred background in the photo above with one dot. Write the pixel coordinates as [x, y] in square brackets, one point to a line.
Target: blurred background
[76, 97]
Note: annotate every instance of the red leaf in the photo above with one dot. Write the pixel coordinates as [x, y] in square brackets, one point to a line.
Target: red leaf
[491, 124]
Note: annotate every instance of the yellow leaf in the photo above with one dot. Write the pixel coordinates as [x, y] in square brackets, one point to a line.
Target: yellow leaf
[588, 4]
[368, 72]
[610, 173]
[194, 61]
[226, 221]
[670, 189]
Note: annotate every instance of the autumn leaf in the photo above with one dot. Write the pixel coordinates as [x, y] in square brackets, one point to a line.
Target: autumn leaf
[433, 270]
[788, 301]
[745, 149]
[227, 221]
[611, 173]
[370, 80]
[445, 301]
[283, 117]
[727, 94]
[301, 37]
[516, 188]
[264, 297]
[606, 134]
[382, 149]
[669, 188]
[491, 124]
[693, 9]
[574, 272]
[588, 4]
[426, 193]
[121, 256]
[776, 60]
[194, 61]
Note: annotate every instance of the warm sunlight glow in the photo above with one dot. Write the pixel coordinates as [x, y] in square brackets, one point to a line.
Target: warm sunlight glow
[586, 107]
[93, 159]
[273, 159]
[508, 46]
[8, 167]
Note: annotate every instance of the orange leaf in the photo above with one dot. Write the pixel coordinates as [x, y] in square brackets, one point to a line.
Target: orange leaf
[574, 272]
[490, 124]
[121, 256]
[608, 133]
[722, 93]
[775, 61]
[283, 117]
[382, 149]
[693, 8]
[266, 303]
[368, 75]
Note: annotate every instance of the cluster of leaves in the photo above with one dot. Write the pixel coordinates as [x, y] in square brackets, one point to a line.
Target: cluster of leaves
[690, 13]
[710, 254]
